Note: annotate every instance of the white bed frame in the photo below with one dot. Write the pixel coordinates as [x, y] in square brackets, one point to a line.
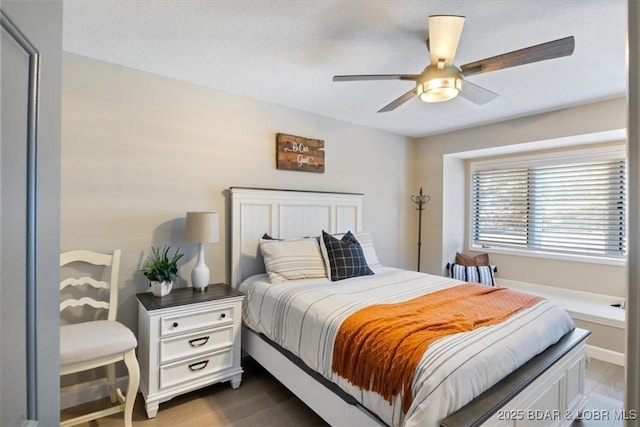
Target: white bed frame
[552, 383]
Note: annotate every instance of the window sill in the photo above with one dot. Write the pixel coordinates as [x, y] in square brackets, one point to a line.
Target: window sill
[547, 255]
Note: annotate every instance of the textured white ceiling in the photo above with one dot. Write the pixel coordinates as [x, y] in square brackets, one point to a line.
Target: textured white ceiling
[287, 51]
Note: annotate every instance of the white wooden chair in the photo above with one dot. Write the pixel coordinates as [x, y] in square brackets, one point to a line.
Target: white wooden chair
[91, 344]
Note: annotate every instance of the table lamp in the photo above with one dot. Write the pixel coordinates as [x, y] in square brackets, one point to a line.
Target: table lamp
[201, 228]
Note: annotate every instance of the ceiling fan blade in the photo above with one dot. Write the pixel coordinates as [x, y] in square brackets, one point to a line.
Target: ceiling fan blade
[476, 94]
[398, 101]
[376, 77]
[540, 52]
[444, 35]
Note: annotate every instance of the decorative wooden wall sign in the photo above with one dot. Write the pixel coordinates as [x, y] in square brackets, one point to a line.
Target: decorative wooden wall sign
[295, 153]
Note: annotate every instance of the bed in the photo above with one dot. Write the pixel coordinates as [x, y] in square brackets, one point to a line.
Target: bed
[547, 389]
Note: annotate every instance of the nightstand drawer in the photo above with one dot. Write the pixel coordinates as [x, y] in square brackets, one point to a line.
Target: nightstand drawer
[182, 346]
[188, 370]
[195, 320]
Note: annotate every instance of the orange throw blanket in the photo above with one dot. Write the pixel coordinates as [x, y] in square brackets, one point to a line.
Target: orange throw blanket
[379, 347]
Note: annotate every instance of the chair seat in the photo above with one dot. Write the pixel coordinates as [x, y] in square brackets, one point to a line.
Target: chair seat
[86, 341]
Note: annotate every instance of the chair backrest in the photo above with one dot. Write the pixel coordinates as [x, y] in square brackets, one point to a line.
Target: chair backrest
[98, 259]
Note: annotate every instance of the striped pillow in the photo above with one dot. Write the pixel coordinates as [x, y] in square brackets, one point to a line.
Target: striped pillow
[474, 274]
[292, 259]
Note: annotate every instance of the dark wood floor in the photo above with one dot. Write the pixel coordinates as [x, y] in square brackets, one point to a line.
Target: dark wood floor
[262, 401]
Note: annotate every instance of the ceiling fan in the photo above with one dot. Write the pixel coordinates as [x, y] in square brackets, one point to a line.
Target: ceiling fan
[441, 80]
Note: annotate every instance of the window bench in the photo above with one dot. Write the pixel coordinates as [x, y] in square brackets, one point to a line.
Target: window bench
[581, 306]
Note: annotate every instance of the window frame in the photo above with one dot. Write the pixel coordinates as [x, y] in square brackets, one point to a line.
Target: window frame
[574, 155]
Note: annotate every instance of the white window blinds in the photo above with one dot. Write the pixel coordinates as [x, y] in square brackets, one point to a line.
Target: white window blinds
[577, 208]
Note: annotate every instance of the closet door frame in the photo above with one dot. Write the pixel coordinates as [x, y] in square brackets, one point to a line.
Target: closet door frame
[12, 31]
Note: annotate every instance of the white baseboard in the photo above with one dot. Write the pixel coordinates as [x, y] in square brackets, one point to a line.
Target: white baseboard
[89, 394]
[605, 355]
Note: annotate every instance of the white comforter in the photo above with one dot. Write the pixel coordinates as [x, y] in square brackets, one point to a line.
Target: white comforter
[304, 317]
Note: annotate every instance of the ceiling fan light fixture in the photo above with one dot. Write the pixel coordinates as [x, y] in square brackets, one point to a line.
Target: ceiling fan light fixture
[439, 89]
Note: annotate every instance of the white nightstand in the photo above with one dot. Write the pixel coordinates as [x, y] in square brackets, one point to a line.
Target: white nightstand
[187, 340]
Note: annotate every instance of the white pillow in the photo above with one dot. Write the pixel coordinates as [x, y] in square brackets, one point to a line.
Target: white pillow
[366, 242]
[292, 259]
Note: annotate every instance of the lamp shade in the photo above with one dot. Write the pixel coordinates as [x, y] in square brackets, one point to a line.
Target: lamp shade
[201, 227]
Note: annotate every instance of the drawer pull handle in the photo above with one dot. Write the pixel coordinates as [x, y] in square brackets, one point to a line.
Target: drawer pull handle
[175, 324]
[198, 366]
[199, 342]
[223, 315]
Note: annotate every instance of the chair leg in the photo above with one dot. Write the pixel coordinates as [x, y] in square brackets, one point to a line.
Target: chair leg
[132, 389]
[111, 377]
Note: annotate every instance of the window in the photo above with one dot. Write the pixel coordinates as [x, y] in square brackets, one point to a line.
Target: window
[569, 203]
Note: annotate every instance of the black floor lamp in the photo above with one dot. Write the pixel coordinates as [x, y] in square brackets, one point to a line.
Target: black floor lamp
[420, 200]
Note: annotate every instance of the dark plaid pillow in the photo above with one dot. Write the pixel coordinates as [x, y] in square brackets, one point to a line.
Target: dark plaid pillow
[346, 257]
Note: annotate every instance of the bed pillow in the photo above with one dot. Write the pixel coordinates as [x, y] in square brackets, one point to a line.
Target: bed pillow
[292, 259]
[474, 273]
[345, 257]
[462, 259]
[366, 243]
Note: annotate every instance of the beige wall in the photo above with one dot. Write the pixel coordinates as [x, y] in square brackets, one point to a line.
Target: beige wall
[439, 171]
[140, 150]
[603, 336]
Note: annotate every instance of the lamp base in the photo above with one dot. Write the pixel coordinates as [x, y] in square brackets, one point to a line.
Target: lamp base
[201, 289]
[200, 273]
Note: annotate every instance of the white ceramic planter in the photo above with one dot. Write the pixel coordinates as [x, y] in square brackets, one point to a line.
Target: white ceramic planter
[161, 289]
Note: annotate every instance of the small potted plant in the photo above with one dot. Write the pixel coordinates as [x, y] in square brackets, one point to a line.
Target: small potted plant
[161, 270]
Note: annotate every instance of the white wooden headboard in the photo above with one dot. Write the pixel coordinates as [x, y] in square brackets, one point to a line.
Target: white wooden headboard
[284, 214]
